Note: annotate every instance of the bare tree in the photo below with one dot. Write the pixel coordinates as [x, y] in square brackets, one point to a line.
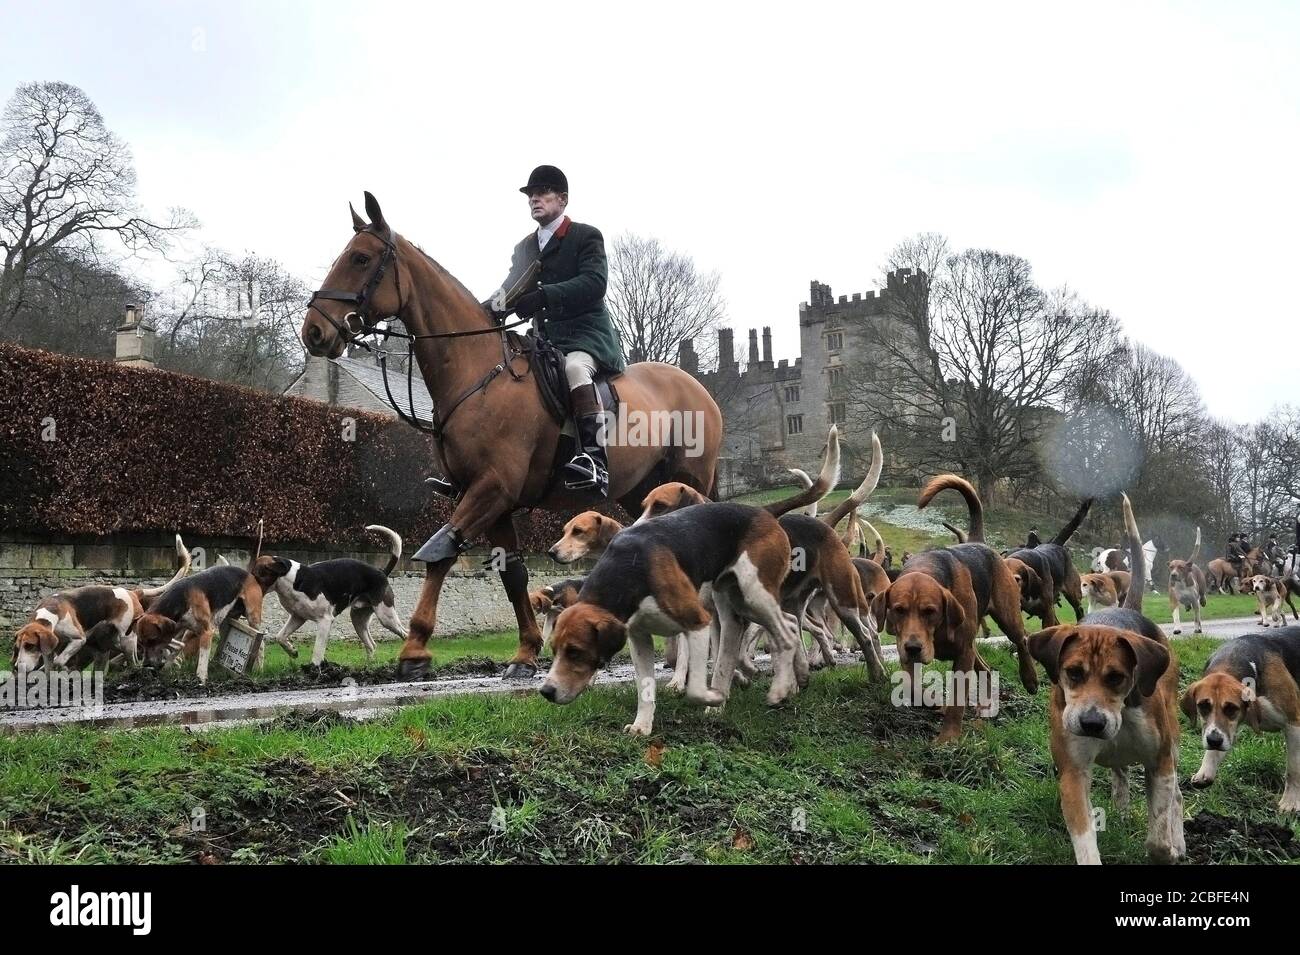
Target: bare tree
[1268, 482]
[67, 186]
[658, 299]
[973, 363]
[73, 306]
[233, 319]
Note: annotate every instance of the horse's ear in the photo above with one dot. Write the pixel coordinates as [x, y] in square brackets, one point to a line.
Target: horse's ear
[376, 214]
[358, 223]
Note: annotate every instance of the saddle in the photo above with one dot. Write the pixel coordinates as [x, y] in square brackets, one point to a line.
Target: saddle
[547, 364]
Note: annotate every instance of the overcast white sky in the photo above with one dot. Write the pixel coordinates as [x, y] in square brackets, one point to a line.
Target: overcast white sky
[1145, 153]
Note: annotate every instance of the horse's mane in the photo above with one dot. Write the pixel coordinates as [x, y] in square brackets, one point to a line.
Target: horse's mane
[457, 283]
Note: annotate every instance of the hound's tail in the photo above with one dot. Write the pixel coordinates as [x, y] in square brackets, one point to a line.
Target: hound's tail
[951, 481]
[956, 532]
[1137, 558]
[1066, 532]
[829, 477]
[879, 555]
[183, 555]
[852, 537]
[863, 491]
[806, 481]
[1196, 548]
[394, 545]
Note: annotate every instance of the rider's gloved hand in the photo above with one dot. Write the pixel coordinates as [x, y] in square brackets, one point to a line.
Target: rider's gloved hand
[530, 303]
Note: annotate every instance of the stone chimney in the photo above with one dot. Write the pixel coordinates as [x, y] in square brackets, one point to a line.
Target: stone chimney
[767, 344]
[687, 360]
[135, 339]
[726, 349]
[753, 346]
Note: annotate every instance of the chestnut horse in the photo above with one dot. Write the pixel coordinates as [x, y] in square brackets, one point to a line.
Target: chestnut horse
[493, 435]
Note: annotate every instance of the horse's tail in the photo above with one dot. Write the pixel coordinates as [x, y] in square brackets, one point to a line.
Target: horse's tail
[827, 479]
[1196, 548]
[713, 486]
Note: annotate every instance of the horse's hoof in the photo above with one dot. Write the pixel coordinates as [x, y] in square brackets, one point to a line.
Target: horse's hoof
[520, 671]
[415, 668]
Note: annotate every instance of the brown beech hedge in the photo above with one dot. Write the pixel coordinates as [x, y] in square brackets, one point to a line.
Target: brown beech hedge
[88, 447]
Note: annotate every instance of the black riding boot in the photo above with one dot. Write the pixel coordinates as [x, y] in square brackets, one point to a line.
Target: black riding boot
[589, 469]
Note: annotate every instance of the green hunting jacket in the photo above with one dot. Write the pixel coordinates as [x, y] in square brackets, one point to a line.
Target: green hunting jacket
[573, 281]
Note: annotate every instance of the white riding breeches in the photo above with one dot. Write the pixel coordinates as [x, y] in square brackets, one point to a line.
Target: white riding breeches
[579, 368]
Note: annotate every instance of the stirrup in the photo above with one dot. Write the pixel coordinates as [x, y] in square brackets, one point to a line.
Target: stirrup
[592, 475]
[440, 486]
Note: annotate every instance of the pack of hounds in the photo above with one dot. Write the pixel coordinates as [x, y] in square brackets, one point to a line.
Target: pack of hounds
[719, 579]
[97, 625]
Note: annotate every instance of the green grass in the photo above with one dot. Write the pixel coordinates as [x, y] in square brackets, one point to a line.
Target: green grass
[837, 775]
[1006, 525]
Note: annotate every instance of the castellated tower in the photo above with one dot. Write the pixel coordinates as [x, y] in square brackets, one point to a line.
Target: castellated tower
[777, 413]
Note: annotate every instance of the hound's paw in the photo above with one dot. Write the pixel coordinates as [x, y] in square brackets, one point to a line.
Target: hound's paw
[776, 697]
[1164, 854]
[707, 698]
[1290, 801]
[740, 678]
[637, 729]
[1202, 780]
[675, 684]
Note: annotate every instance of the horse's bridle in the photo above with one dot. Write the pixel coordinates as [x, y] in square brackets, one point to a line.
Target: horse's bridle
[360, 301]
[365, 327]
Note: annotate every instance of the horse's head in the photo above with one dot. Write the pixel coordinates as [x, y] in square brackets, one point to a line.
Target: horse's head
[362, 286]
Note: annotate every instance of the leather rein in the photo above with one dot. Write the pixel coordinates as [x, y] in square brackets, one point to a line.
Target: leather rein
[365, 327]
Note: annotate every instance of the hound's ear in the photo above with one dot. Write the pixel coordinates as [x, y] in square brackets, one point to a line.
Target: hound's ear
[1046, 647]
[1189, 704]
[49, 642]
[611, 634]
[880, 607]
[358, 223]
[952, 612]
[1037, 580]
[376, 214]
[1152, 661]
[1250, 706]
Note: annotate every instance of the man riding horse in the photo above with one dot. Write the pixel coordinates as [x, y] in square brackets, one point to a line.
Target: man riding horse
[568, 308]
[494, 436]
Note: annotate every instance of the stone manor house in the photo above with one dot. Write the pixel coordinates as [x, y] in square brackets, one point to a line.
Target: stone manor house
[777, 414]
